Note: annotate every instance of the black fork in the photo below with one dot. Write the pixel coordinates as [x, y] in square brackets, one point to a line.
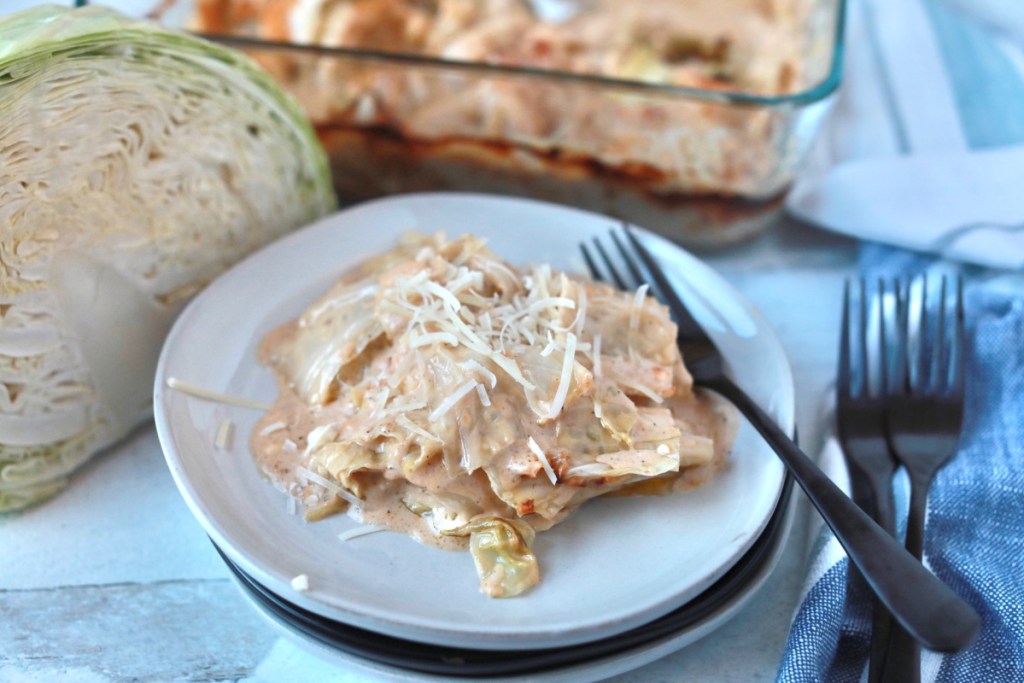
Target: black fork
[860, 426]
[924, 417]
[929, 610]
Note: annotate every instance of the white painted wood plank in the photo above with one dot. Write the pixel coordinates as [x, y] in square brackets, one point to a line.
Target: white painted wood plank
[193, 630]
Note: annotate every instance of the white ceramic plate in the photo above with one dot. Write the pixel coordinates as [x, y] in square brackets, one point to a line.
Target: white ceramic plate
[614, 565]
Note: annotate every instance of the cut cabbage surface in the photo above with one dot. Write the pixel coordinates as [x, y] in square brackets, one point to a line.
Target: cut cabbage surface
[136, 164]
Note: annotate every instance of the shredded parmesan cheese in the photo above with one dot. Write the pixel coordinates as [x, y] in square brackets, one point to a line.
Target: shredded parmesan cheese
[331, 486]
[542, 456]
[581, 313]
[546, 351]
[638, 305]
[301, 583]
[590, 469]
[473, 366]
[225, 435]
[449, 402]
[433, 338]
[360, 531]
[446, 296]
[273, 427]
[404, 390]
[566, 377]
[416, 429]
[210, 395]
[318, 436]
[643, 389]
[551, 302]
[405, 407]
[510, 367]
[472, 340]
[465, 279]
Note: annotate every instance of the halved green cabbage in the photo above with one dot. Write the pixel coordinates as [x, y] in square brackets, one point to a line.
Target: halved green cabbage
[136, 164]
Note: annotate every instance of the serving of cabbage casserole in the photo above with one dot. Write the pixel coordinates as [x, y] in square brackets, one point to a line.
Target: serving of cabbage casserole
[442, 392]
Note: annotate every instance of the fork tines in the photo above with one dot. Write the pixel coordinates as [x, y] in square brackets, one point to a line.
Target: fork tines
[930, 353]
[859, 349]
[632, 265]
[896, 337]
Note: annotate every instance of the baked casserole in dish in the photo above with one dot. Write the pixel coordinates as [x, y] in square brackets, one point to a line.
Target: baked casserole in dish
[688, 117]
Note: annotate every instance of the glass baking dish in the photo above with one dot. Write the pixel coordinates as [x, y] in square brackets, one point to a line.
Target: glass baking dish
[705, 165]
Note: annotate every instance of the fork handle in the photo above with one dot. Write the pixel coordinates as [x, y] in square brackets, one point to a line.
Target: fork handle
[903, 659]
[871, 490]
[930, 611]
[881, 623]
[919, 486]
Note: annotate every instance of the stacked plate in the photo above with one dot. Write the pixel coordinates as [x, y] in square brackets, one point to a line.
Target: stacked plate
[624, 580]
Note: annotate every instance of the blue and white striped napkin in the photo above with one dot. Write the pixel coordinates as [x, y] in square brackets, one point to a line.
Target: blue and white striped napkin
[975, 525]
[926, 146]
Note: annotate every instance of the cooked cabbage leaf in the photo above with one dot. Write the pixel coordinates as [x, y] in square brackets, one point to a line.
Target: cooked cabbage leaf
[501, 551]
[136, 164]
